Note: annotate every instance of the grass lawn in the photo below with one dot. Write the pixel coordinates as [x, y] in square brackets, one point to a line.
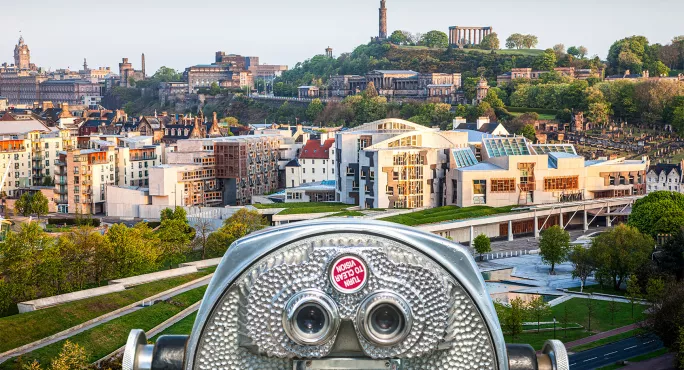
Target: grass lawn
[577, 313]
[446, 213]
[106, 338]
[645, 357]
[598, 289]
[182, 327]
[28, 327]
[604, 341]
[347, 214]
[305, 207]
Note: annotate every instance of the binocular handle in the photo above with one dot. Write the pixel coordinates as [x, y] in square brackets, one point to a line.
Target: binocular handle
[168, 353]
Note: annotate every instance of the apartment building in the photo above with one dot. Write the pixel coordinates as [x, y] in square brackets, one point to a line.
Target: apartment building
[83, 175]
[665, 177]
[247, 166]
[514, 172]
[392, 163]
[315, 163]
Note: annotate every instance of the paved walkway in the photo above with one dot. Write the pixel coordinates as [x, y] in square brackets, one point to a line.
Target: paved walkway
[664, 362]
[601, 335]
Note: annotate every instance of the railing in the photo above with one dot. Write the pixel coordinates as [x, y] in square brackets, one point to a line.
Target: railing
[38, 157]
[12, 149]
[144, 158]
[59, 163]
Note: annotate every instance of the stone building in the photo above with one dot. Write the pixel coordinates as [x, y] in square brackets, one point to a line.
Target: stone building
[530, 74]
[314, 163]
[481, 90]
[444, 87]
[128, 73]
[225, 75]
[462, 36]
[72, 92]
[22, 56]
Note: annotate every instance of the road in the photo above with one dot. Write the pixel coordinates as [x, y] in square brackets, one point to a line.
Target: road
[613, 352]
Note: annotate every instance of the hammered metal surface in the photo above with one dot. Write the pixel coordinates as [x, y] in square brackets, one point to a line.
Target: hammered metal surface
[244, 331]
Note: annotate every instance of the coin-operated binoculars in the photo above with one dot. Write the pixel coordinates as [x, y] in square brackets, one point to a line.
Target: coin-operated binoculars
[343, 294]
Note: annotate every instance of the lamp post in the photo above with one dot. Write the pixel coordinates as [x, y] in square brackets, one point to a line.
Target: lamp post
[554, 327]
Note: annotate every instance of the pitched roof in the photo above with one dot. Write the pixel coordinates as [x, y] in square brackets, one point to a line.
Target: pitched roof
[660, 167]
[314, 150]
[486, 127]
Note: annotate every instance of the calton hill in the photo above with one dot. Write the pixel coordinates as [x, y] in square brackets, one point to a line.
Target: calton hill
[652, 104]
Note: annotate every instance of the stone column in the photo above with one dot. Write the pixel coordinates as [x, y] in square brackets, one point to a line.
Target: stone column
[586, 223]
[609, 223]
[560, 215]
[510, 231]
[470, 36]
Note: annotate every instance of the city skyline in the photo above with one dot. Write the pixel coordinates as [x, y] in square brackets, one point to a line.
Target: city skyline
[180, 39]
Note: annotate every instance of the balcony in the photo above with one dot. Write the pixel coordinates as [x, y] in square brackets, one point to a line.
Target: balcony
[38, 158]
[59, 163]
[144, 158]
[60, 190]
[9, 149]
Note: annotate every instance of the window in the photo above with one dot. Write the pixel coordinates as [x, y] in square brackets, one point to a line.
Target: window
[612, 180]
[323, 170]
[480, 191]
[372, 175]
[313, 170]
[562, 183]
[622, 180]
[389, 190]
[631, 179]
[291, 170]
[503, 185]
[303, 170]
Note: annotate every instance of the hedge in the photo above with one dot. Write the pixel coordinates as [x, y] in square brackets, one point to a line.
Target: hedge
[74, 221]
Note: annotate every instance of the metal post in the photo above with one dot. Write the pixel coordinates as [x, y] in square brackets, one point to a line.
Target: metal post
[510, 231]
[536, 226]
[472, 235]
[609, 222]
[586, 224]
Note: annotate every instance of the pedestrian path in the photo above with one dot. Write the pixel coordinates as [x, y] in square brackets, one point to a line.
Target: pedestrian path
[601, 335]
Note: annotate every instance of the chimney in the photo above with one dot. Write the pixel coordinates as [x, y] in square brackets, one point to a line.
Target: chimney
[324, 137]
[143, 66]
[482, 121]
[214, 119]
[458, 121]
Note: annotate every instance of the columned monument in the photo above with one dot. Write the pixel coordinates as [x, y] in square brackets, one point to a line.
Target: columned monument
[462, 36]
[383, 21]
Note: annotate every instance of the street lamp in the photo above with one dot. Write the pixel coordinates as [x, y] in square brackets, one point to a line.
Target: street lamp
[554, 327]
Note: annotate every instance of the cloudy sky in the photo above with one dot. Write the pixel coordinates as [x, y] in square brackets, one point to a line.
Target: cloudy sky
[179, 33]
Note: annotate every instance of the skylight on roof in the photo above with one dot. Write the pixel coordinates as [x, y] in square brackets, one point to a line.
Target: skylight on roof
[464, 157]
[505, 146]
[554, 148]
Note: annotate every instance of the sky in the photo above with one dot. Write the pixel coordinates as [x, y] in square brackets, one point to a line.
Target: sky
[181, 33]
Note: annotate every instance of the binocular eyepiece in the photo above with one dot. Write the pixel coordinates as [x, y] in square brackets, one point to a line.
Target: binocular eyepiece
[341, 294]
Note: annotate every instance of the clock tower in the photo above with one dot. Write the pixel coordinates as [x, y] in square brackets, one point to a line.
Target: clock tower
[22, 55]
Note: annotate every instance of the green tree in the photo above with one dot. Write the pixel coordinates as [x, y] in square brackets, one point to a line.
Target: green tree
[219, 241]
[399, 38]
[214, 89]
[582, 263]
[132, 251]
[529, 132]
[166, 74]
[514, 316]
[39, 204]
[493, 99]
[174, 241]
[565, 320]
[660, 69]
[633, 291]
[546, 61]
[482, 244]
[620, 251]
[314, 109]
[583, 52]
[177, 213]
[538, 308]
[613, 308]
[590, 305]
[370, 91]
[554, 246]
[490, 42]
[252, 220]
[529, 41]
[515, 41]
[655, 293]
[648, 211]
[23, 205]
[435, 39]
[574, 51]
[72, 357]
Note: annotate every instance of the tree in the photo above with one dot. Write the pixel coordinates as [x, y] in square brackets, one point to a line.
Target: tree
[39, 204]
[529, 132]
[680, 349]
[399, 38]
[490, 42]
[554, 246]
[130, 252]
[435, 39]
[370, 91]
[574, 51]
[667, 316]
[482, 244]
[633, 291]
[582, 263]
[565, 320]
[230, 122]
[538, 308]
[648, 211]
[202, 232]
[166, 74]
[655, 293]
[582, 52]
[591, 307]
[559, 51]
[515, 41]
[529, 41]
[660, 69]
[72, 357]
[617, 253]
[546, 61]
[613, 308]
[219, 241]
[252, 220]
[177, 213]
[511, 318]
[314, 109]
[23, 205]
[174, 240]
[214, 89]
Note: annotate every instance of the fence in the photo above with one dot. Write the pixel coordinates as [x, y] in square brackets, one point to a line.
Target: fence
[507, 254]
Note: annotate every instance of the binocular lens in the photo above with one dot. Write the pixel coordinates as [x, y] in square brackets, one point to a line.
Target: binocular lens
[386, 319]
[311, 318]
